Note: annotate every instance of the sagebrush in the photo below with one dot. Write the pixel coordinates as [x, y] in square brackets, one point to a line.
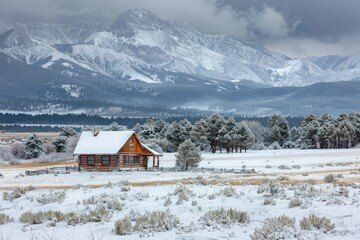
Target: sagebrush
[225, 216]
[319, 223]
[281, 227]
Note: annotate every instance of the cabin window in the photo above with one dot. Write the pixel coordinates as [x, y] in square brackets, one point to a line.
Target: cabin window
[128, 159]
[91, 160]
[131, 159]
[105, 160]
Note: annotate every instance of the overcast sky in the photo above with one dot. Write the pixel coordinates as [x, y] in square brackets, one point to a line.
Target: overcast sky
[294, 27]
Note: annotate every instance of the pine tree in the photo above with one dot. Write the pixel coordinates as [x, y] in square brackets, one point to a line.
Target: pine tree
[278, 129]
[257, 129]
[346, 134]
[188, 155]
[60, 143]
[224, 138]
[214, 123]
[244, 138]
[114, 126]
[33, 147]
[294, 134]
[308, 130]
[68, 132]
[325, 134]
[174, 134]
[178, 132]
[355, 121]
[199, 136]
[159, 125]
[185, 130]
[145, 131]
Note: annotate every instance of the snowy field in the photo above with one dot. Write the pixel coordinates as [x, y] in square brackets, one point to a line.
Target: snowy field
[286, 182]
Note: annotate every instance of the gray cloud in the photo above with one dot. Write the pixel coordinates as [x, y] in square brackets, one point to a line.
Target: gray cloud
[296, 28]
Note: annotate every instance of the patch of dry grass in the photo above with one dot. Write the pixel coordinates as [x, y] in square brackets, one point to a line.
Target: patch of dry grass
[38, 165]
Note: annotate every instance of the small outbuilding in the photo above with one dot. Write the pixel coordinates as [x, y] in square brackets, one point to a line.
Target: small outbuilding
[113, 150]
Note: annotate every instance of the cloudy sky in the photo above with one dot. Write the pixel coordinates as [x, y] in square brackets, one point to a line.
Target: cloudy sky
[295, 27]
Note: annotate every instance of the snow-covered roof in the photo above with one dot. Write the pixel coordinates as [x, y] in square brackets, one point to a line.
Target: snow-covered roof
[150, 150]
[106, 142]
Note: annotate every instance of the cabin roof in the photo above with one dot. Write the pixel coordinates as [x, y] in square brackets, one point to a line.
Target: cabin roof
[150, 150]
[105, 142]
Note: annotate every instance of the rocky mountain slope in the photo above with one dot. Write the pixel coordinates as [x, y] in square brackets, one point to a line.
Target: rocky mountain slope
[141, 57]
[141, 46]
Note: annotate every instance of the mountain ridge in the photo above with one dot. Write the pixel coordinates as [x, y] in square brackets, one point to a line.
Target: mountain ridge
[138, 39]
[144, 59]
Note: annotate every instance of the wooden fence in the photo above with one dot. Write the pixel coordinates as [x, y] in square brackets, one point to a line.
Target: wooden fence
[69, 169]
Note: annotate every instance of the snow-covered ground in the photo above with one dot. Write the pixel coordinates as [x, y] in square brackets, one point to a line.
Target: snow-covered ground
[301, 174]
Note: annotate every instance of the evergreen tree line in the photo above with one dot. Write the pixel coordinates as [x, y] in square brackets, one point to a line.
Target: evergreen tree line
[208, 134]
[86, 119]
[325, 131]
[216, 133]
[29, 104]
[22, 128]
[34, 147]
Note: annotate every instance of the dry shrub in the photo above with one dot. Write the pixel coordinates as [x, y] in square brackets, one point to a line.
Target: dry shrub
[269, 201]
[104, 201]
[308, 191]
[167, 202]
[281, 227]
[58, 196]
[330, 178]
[283, 178]
[17, 149]
[31, 218]
[123, 226]
[284, 167]
[295, 202]
[183, 193]
[157, 221]
[4, 219]
[313, 222]
[225, 216]
[199, 180]
[271, 188]
[228, 191]
[212, 196]
[16, 193]
[97, 215]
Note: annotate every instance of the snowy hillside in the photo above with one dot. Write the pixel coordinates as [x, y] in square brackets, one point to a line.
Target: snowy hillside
[141, 46]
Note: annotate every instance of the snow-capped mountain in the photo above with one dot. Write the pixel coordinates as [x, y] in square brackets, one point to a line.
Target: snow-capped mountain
[141, 46]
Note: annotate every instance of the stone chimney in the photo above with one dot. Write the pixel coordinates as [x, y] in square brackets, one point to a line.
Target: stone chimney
[95, 132]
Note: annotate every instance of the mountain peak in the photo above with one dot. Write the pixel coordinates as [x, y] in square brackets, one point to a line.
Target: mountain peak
[133, 20]
[139, 12]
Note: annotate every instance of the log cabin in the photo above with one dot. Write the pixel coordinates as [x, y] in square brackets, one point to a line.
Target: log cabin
[113, 150]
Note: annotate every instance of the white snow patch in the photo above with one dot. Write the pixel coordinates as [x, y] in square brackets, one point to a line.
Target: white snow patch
[48, 64]
[66, 64]
[73, 90]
